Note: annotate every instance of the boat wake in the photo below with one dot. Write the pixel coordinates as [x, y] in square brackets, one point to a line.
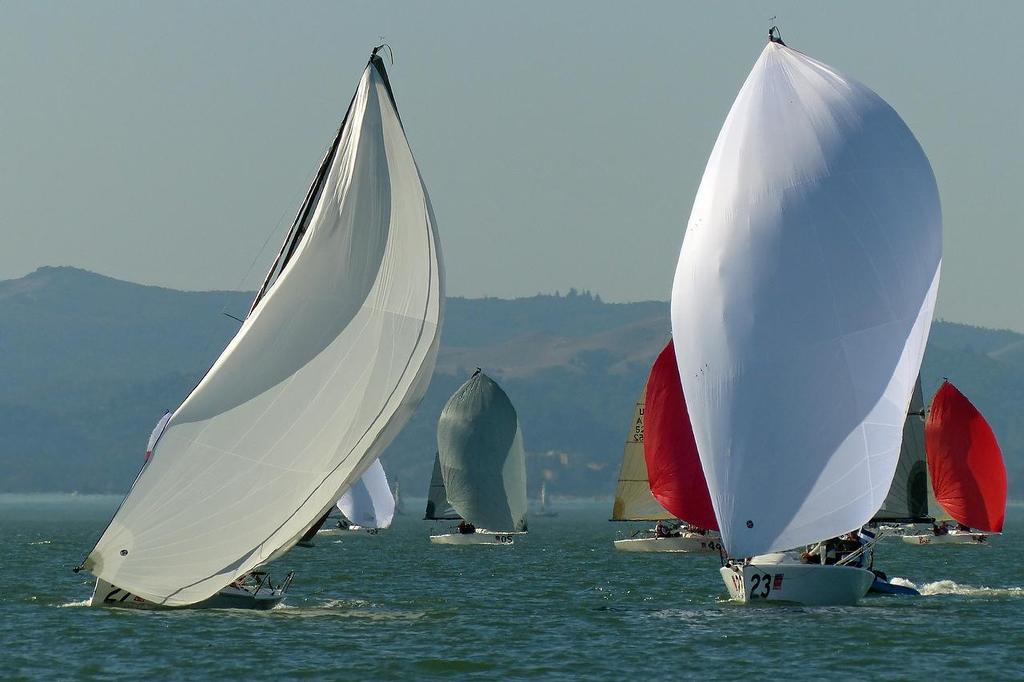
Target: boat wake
[940, 587]
[345, 608]
[72, 604]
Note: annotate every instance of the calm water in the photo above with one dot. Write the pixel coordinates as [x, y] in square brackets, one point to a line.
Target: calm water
[560, 604]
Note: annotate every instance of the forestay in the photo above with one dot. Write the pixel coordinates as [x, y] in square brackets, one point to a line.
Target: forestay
[802, 303]
[369, 502]
[483, 463]
[633, 498]
[327, 367]
[438, 506]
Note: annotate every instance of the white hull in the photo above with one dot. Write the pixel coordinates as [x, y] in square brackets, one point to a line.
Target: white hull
[480, 537]
[764, 581]
[250, 596]
[952, 538]
[691, 543]
[348, 532]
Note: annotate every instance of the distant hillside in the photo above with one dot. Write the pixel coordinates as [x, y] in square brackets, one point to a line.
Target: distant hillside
[89, 363]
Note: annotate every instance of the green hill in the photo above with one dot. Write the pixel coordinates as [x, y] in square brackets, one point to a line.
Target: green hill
[89, 364]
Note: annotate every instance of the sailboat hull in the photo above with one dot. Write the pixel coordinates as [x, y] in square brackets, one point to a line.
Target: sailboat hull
[259, 599]
[948, 539]
[481, 537]
[348, 532]
[795, 583]
[691, 543]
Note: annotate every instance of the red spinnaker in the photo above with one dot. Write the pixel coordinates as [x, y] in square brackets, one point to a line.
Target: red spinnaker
[965, 462]
[673, 466]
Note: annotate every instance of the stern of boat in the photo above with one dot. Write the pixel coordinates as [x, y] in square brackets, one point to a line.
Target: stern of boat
[793, 583]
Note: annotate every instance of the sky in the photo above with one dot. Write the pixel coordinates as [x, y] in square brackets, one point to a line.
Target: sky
[561, 142]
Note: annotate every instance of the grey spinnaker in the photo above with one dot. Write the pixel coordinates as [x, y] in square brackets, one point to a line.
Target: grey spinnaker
[480, 448]
[910, 499]
[438, 506]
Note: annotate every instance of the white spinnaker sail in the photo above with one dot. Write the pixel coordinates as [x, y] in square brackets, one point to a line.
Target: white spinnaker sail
[322, 374]
[369, 502]
[803, 297]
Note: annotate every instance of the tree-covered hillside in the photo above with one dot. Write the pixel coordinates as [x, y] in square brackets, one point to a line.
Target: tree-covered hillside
[89, 364]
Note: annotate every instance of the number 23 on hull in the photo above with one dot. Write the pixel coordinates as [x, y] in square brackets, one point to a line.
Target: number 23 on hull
[806, 584]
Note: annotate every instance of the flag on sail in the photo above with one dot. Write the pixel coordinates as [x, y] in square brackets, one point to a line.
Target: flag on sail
[480, 446]
[965, 461]
[673, 465]
[325, 370]
[802, 302]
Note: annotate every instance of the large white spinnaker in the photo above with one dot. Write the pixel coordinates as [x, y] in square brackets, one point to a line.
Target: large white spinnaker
[333, 357]
[369, 502]
[803, 298]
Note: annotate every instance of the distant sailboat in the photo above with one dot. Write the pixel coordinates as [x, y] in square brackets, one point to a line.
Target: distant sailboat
[672, 468]
[367, 507]
[399, 506]
[633, 498]
[543, 510]
[333, 357]
[801, 307]
[483, 465]
[909, 500]
[967, 470]
[438, 506]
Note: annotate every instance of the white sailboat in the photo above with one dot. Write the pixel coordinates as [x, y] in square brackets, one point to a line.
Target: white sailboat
[482, 464]
[333, 357]
[367, 507]
[801, 307]
[542, 509]
[635, 499]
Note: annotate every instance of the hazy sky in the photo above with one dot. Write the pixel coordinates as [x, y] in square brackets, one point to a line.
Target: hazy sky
[561, 142]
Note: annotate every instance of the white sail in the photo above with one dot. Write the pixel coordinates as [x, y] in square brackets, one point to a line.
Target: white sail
[803, 298]
[332, 359]
[633, 498]
[483, 463]
[369, 502]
